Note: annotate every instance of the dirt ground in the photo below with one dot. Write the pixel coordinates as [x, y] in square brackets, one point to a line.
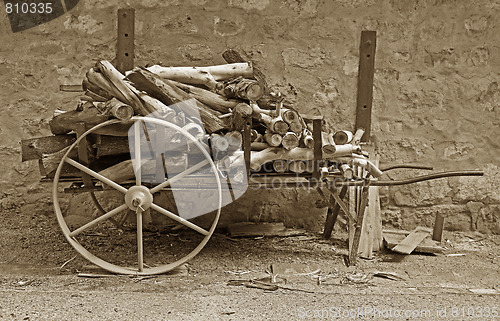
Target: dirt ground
[33, 286]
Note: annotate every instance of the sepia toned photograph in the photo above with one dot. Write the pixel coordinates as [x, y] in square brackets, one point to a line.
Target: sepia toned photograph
[250, 160]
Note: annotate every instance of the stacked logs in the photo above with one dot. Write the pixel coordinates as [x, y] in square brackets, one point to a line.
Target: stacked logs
[223, 98]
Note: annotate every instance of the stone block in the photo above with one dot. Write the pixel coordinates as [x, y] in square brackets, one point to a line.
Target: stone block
[248, 5]
[476, 24]
[456, 217]
[484, 189]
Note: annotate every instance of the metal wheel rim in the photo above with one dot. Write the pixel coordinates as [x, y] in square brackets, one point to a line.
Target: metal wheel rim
[113, 267]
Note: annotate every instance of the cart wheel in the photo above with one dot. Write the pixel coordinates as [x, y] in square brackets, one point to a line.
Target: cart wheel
[139, 252]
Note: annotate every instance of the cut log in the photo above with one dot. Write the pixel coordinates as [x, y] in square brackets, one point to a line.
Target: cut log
[119, 109]
[120, 172]
[65, 123]
[207, 76]
[347, 171]
[342, 137]
[267, 101]
[257, 111]
[297, 166]
[273, 139]
[35, 148]
[307, 138]
[298, 153]
[309, 166]
[117, 79]
[155, 106]
[111, 145]
[156, 87]
[235, 139]
[240, 114]
[328, 146]
[280, 166]
[219, 143]
[243, 88]
[357, 136]
[87, 85]
[98, 79]
[278, 125]
[177, 99]
[289, 115]
[366, 164]
[258, 146]
[211, 99]
[296, 127]
[290, 140]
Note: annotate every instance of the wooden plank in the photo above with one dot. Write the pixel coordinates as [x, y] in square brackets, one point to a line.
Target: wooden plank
[332, 213]
[437, 233]
[371, 236]
[125, 41]
[34, 148]
[394, 237]
[409, 243]
[365, 82]
[353, 253]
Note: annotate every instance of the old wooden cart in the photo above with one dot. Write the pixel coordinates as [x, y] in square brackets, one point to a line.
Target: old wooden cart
[116, 243]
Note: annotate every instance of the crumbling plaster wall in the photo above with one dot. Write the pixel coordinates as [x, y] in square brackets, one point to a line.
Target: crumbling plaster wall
[436, 91]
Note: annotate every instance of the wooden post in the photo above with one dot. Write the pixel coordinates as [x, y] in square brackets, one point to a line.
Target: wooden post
[125, 41]
[353, 251]
[437, 233]
[247, 144]
[365, 82]
[332, 214]
[318, 154]
[83, 156]
[371, 234]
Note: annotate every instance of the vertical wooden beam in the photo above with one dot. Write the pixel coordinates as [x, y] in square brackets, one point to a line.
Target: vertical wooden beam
[125, 42]
[437, 233]
[83, 156]
[353, 251]
[318, 153]
[247, 145]
[365, 82]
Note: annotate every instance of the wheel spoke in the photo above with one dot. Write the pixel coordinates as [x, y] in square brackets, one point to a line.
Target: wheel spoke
[179, 176]
[179, 219]
[140, 249]
[99, 219]
[96, 175]
[137, 152]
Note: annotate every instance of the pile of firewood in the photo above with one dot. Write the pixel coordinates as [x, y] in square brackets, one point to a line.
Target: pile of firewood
[223, 98]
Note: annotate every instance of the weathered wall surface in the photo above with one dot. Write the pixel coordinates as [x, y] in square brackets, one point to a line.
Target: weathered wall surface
[436, 89]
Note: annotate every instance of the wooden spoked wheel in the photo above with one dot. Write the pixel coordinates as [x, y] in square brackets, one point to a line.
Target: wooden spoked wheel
[138, 252]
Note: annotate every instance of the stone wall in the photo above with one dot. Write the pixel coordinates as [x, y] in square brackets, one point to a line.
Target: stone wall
[436, 88]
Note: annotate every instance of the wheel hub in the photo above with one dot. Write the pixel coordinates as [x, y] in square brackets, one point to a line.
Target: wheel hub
[138, 197]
